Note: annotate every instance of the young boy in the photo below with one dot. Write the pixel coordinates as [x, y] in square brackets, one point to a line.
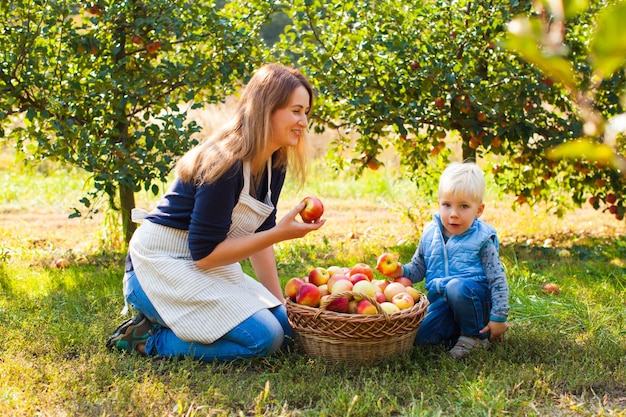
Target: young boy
[458, 256]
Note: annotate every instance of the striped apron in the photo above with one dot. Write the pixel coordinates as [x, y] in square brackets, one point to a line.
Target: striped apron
[201, 305]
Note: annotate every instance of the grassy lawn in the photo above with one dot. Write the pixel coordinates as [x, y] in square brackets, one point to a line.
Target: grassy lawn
[565, 354]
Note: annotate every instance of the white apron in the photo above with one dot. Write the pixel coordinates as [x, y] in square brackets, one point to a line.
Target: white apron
[201, 305]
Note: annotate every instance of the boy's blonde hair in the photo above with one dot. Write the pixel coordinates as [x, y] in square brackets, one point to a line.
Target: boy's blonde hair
[465, 180]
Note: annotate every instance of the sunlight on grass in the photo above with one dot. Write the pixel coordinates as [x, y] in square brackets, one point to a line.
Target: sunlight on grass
[564, 355]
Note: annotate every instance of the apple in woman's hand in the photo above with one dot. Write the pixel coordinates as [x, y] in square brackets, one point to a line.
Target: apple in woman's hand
[312, 210]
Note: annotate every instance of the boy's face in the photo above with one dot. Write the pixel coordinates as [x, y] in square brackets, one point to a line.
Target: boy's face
[458, 212]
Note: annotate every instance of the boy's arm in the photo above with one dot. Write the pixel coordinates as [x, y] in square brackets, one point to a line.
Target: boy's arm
[416, 269]
[498, 286]
[499, 289]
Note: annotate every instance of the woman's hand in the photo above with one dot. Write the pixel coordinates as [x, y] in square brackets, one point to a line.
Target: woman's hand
[291, 228]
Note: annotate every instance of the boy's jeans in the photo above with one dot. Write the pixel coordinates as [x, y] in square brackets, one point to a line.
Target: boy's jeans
[462, 310]
[259, 335]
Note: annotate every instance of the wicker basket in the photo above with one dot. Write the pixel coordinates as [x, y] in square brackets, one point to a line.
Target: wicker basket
[343, 337]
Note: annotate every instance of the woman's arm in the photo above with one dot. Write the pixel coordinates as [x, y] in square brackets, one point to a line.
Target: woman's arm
[264, 264]
[237, 249]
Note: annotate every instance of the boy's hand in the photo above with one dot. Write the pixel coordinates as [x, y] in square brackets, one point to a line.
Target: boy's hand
[388, 265]
[496, 330]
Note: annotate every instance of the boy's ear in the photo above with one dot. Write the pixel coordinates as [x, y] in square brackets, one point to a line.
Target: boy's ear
[480, 209]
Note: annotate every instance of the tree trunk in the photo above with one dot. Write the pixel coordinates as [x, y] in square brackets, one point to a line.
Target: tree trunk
[127, 203]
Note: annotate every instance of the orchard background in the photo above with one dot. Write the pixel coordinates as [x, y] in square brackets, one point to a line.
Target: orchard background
[99, 99]
[532, 90]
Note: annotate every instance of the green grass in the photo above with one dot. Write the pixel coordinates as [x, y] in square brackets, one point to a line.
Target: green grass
[565, 355]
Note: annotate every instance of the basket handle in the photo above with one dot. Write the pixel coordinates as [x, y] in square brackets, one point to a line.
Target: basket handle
[353, 294]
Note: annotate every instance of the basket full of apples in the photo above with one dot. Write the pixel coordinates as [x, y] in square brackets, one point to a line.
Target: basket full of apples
[346, 314]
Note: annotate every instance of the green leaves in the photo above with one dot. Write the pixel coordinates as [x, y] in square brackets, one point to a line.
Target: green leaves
[526, 38]
[101, 86]
[589, 150]
[608, 45]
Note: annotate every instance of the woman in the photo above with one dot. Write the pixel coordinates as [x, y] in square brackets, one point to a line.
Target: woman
[183, 273]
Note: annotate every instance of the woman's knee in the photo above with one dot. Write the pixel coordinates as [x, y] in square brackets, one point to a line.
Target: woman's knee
[269, 333]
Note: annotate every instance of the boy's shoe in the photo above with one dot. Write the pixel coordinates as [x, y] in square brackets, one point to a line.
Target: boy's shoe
[466, 344]
[131, 333]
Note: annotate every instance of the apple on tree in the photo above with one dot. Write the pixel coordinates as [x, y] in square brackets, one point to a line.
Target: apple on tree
[313, 209]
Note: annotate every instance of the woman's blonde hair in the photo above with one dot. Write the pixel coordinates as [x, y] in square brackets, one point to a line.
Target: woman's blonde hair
[465, 180]
[248, 133]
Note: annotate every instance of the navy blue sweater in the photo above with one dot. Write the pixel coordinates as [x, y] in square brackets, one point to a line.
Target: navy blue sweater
[205, 211]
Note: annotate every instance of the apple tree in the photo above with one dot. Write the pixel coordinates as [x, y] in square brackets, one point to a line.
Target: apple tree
[106, 86]
[587, 75]
[428, 76]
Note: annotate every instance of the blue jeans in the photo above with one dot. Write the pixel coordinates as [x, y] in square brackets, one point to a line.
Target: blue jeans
[261, 334]
[463, 309]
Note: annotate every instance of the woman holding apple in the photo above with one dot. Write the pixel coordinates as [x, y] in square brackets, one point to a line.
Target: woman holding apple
[183, 272]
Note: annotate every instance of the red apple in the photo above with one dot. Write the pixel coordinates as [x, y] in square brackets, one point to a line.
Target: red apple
[152, 47]
[354, 278]
[394, 288]
[61, 263]
[313, 209]
[362, 268]
[374, 164]
[334, 278]
[366, 307]
[291, 287]
[551, 289]
[318, 276]
[309, 295]
[404, 281]
[339, 305]
[380, 297]
[387, 263]
[341, 286]
[403, 300]
[353, 307]
[611, 198]
[136, 39]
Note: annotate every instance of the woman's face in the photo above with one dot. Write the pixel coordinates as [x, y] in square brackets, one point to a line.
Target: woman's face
[290, 122]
